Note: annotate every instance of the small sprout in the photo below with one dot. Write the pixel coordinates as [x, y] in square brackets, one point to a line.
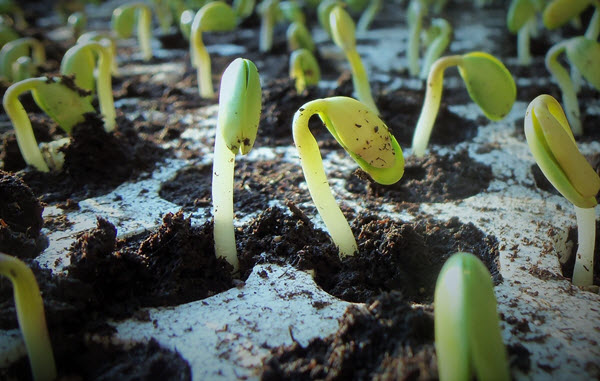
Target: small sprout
[440, 34]
[554, 149]
[185, 23]
[520, 19]
[240, 102]
[269, 15]
[323, 11]
[243, 8]
[81, 60]
[416, 11]
[299, 37]
[365, 137]
[9, 7]
[77, 21]
[488, 82]
[163, 12]
[304, 68]
[97, 36]
[23, 68]
[559, 12]
[292, 12]
[62, 103]
[125, 17]
[7, 34]
[342, 29]
[31, 317]
[21, 47]
[467, 328]
[214, 16]
[368, 15]
[356, 5]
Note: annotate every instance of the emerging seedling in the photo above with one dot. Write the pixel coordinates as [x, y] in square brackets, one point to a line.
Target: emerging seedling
[7, 33]
[270, 14]
[367, 140]
[185, 23]
[31, 317]
[21, 47]
[323, 11]
[243, 8]
[98, 36]
[584, 54]
[488, 82]
[299, 37]
[520, 19]
[559, 12]
[342, 29]
[554, 149]
[368, 15]
[81, 60]
[62, 103]
[125, 17]
[304, 68]
[240, 102]
[77, 21]
[467, 327]
[292, 12]
[417, 9]
[214, 16]
[439, 33]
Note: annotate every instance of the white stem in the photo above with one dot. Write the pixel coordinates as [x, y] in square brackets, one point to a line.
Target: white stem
[360, 80]
[144, 32]
[523, 38]
[583, 273]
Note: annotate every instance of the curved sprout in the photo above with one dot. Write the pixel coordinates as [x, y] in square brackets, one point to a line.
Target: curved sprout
[416, 11]
[299, 37]
[185, 23]
[304, 68]
[240, 103]
[520, 19]
[7, 34]
[292, 12]
[443, 34]
[31, 317]
[584, 53]
[323, 10]
[366, 18]
[269, 15]
[553, 147]
[367, 140]
[243, 8]
[559, 12]
[20, 47]
[23, 68]
[77, 21]
[123, 20]
[97, 36]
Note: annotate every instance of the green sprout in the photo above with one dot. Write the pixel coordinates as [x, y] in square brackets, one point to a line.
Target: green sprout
[9, 7]
[304, 68]
[240, 102]
[292, 12]
[125, 17]
[584, 54]
[98, 36]
[559, 12]
[440, 34]
[520, 19]
[356, 5]
[269, 15]
[7, 34]
[366, 18]
[365, 137]
[467, 328]
[323, 11]
[63, 104]
[23, 68]
[552, 144]
[243, 8]
[299, 37]
[77, 21]
[31, 317]
[20, 47]
[214, 16]
[162, 10]
[81, 60]
[185, 23]
[488, 82]
[342, 29]
[417, 9]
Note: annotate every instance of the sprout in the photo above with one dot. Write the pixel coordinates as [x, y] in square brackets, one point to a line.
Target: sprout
[23, 68]
[467, 327]
[440, 33]
[185, 23]
[163, 12]
[559, 12]
[299, 37]
[342, 29]
[488, 82]
[11, 51]
[292, 12]
[80, 60]
[554, 149]
[323, 11]
[585, 55]
[7, 34]
[356, 5]
[367, 140]
[214, 16]
[240, 102]
[77, 21]
[304, 68]
[416, 11]
[9, 7]
[97, 36]
[243, 8]
[368, 15]
[520, 19]
[62, 103]
[269, 15]
[123, 20]
[31, 317]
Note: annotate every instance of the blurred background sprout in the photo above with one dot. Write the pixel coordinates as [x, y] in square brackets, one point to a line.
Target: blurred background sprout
[126, 16]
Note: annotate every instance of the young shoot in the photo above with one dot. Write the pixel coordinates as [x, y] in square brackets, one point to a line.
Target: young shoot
[553, 147]
[584, 54]
[126, 16]
[417, 10]
[240, 102]
[489, 83]
[77, 21]
[31, 317]
[185, 23]
[98, 36]
[269, 15]
[23, 68]
[342, 30]
[440, 34]
[62, 103]
[559, 12]
[81, 60]
[243, 8]
[365, 137]
[467, 327]
[21, 47]
[7, 34]
[292, 12]
[299, 37]
[366, 18]
[520, 20]
[304, 69]
[323, 11]
[214, 16]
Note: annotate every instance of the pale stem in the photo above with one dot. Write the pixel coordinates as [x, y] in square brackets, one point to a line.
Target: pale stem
[38, 53]
[360, 80]
[436, 48]
[593, 29]
[431, 105]
[566, 86]
[20, 120]
[368, 15]
[222, 195]
[267, 23]
[31, 317]
[201, 60]
[583, 273]
[412, 51]
[144, 32]
[104, 85]
[318, 186]
[523, 39]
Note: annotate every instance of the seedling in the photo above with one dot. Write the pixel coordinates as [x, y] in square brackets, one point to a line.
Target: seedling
[304, 68]
[323, 11]
[365, 137]
[126, 16]
[269, 15]
[81, 60]
[7, 33]
[417, 10]
[520, 20]
[439, 33]
[240, 102]
[23, 68]
[559, 12]
[292, 12]
[467, 327]
[31, 317]
[243, 8]
[9, 7]
[62, 103]
[185, 23]
[77, 21]
[584, 54]
[162, 10]
[299, 37]
[488, 82]
[368, 15]
[553, 147]
[342, 30]
[98, 36]
[214, 16]
[12, 50]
